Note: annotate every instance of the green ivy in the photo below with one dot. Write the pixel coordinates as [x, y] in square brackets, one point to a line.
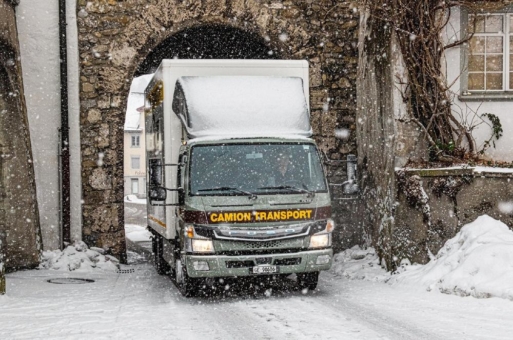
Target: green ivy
[496, 131]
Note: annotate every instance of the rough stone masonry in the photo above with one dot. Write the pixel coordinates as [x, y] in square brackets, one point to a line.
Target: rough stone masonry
[20, 235]
[116, 36]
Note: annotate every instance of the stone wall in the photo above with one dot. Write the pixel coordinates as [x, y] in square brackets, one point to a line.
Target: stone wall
[376, 132]
[386, 139]
[115, 37]
[19, 219]
[453, 198]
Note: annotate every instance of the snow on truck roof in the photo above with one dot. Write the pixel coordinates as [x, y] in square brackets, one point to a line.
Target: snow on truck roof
[243, 106]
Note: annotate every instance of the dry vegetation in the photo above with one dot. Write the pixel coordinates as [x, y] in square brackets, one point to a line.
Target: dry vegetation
[418, 26]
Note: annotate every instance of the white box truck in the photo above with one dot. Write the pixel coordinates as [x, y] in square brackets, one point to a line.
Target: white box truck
[235, 184]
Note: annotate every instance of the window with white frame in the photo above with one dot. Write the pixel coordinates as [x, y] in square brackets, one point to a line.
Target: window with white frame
[136, 162]
[490, 52]
[135, 141]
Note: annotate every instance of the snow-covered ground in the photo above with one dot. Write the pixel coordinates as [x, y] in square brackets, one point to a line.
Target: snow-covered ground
[355, 300]
[137, 233]
[134, 199]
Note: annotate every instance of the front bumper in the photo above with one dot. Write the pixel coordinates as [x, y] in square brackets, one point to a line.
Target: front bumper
[289, 263]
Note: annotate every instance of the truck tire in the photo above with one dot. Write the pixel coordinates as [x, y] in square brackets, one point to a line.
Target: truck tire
[186, 285]
[308, 280]
[160, 264]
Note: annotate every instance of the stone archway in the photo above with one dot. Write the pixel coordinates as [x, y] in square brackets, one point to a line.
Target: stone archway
[115, 40]
[210, 41]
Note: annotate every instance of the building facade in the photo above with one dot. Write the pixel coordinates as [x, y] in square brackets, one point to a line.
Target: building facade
[135, 162]
[481, 74]
[134, 140]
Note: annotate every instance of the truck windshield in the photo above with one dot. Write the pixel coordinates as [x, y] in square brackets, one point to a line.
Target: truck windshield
[239, 169]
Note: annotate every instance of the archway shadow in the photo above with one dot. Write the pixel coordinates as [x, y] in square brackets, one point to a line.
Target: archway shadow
[211, 41]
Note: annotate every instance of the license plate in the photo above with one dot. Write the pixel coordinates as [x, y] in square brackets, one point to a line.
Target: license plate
[264, 269]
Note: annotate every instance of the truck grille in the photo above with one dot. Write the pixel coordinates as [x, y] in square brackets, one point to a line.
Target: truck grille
[288, 262]
[259, 245]
[239, 264]
[224, 245]
[250, 263]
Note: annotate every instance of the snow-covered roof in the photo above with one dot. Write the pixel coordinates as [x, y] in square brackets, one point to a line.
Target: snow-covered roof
[135, 101]
[244, 106]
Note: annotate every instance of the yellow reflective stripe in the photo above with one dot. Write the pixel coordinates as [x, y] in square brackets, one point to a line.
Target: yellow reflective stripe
[159, 222]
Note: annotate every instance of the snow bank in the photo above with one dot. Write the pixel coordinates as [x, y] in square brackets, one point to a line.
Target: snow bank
[359, 264]
[79, 258]
[137, 233]
[477, 262]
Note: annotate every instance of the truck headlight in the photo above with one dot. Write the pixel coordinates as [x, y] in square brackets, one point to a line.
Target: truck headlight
[197, 243]
[323, 239]
[320, 241]
[202, 246]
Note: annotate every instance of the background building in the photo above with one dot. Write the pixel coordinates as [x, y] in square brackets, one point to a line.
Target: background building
[134, 141]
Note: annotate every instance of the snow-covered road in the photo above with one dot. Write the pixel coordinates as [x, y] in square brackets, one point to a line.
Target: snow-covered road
[144, 305]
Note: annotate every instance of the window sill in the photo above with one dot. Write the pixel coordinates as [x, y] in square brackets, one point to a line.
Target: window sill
[489, 97]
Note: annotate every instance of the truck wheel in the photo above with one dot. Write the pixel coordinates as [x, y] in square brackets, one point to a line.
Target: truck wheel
[308, 280]
[160, 264]
[186, 285]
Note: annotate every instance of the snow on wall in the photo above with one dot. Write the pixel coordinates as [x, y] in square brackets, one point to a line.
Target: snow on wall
[246, 106]
[466, 110]
[38, 28]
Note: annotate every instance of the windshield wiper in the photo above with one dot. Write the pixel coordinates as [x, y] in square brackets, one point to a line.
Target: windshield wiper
[250, 194]
[288, 187]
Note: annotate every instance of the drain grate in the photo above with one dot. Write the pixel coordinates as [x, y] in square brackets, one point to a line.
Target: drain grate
[125, 271]
[70, 281]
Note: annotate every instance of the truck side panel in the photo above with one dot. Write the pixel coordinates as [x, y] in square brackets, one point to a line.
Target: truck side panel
[154, 134]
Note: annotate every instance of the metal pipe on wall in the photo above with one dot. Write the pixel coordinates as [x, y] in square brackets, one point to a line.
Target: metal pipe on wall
[65, 204]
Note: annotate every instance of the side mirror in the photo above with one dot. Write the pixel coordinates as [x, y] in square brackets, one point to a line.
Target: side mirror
[352, 186]
[157, 194]
[181, 196]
